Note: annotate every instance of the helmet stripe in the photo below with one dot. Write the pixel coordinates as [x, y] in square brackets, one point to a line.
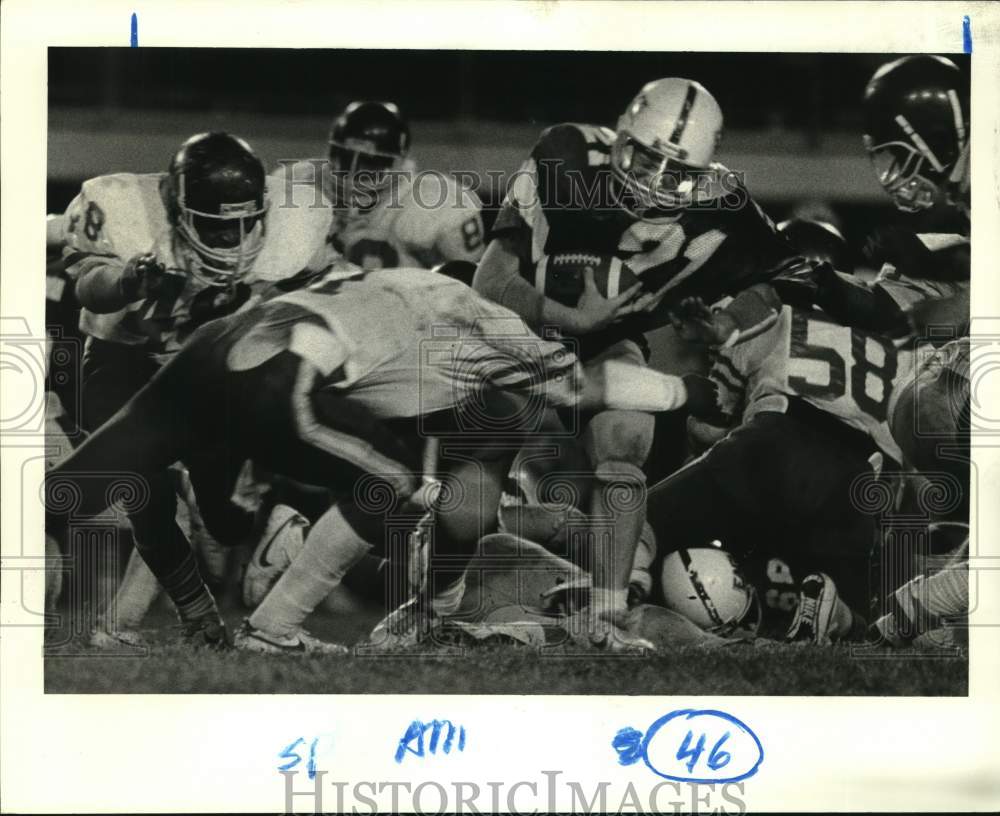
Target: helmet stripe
[956, 112]
[682, 117]
[699, 588]
[922, 146]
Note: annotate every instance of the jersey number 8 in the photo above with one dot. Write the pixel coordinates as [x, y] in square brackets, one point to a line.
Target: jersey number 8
[861, 366]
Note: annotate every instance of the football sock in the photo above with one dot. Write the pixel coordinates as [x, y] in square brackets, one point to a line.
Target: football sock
[447, 600]
[188, 591]
[944, 594]
[331, 549]
[136, 594]
[918, 606]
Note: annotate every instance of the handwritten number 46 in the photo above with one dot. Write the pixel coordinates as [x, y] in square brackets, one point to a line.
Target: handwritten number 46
[716, 759]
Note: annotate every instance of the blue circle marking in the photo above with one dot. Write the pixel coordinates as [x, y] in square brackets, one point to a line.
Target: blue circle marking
[699, 740]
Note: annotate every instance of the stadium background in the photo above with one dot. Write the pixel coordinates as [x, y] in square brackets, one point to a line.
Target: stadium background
[792, 121]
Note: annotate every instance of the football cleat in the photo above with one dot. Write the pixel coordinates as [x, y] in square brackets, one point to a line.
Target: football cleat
[814, 616]
[251, 639]
[207, 632]
[606, 632]
[117, 640]
[405, 627]
[280, 542]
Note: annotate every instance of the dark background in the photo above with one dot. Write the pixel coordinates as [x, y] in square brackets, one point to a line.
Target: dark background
[793, 109]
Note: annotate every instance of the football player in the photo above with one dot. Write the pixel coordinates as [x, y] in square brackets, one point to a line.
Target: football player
[931, 423]
[382, 211]
[812, 397]
[153, 256]
[651, 194]
[329, 385]
[917, 135]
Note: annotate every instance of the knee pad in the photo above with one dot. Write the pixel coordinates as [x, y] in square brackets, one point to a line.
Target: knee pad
[619, 437]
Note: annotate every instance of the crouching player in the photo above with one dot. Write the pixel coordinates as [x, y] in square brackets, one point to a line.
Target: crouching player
[811, 397]
[327, 386]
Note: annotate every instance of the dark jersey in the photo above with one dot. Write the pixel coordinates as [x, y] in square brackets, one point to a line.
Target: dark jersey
[565, 196]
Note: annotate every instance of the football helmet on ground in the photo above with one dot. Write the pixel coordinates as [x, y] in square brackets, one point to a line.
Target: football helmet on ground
[705, 585]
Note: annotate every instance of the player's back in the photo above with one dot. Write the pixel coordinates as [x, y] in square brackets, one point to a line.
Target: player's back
[846, 372]
[421, 219]
[403, 341]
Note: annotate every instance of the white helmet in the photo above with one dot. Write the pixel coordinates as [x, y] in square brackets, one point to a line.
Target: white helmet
[665, 139]
[706, 586]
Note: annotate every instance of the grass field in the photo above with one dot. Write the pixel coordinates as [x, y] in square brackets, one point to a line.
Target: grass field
[740, 669]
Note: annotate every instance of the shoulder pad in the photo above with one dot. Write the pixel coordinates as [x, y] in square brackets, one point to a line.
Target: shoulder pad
[120, 214]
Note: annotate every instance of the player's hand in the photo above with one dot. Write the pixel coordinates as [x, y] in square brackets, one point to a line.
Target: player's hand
[695, 322]
[143, 277]
[595, 312]
[647, 301]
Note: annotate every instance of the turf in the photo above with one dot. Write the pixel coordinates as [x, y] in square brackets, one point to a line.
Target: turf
[513, 670]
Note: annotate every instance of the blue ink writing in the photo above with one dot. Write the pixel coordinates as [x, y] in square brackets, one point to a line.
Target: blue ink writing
[674, 747]
[134, 38]
[291, 753]
[414, 742]
[967, 34]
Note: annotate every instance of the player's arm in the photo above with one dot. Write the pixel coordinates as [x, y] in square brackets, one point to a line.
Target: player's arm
[509, 252]
[105, 282]
[731, 321]
[498, 277]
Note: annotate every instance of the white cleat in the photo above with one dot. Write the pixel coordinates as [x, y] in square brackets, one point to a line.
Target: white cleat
[403, 628]
[280, 542]
[606, 631]
[117, 640]
[249, 639]
[813, 619]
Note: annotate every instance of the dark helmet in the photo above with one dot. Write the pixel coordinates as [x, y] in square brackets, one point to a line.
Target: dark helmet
[917, 130]
[818, 240]
[368, 139]
[216, 199]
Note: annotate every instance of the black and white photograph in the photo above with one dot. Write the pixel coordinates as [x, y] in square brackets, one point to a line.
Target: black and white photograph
[447, 385]
[647, 357]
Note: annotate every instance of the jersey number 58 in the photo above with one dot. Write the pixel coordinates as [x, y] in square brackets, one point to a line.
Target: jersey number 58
[861, 366]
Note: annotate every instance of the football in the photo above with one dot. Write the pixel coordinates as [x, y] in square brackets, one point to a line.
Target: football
[560, 276]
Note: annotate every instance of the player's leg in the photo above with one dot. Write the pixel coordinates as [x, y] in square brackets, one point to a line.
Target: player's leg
[111, 375]
[127, 459]
[321, 437]
[617, 444]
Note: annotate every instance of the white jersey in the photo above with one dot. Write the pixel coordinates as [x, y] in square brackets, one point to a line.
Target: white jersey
[119, 216]
[421, 220]
[846, 372]
[405, 342]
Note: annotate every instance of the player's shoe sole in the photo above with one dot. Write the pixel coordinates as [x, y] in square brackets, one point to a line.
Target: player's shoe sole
[280, 541]
[249, 639]
[814, 616]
